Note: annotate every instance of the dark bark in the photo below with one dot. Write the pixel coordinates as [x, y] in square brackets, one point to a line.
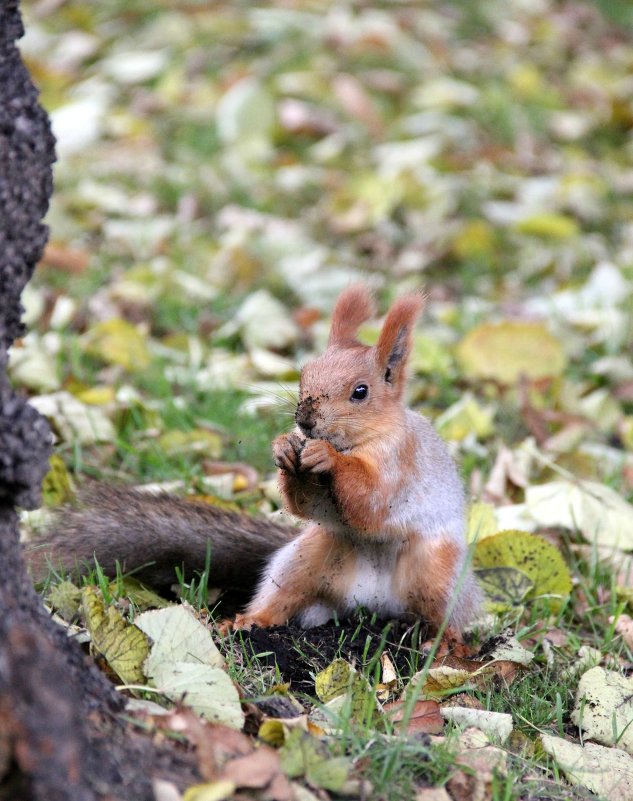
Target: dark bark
[59, 735]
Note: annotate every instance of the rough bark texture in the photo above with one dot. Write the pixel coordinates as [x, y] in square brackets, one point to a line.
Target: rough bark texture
[59, 735]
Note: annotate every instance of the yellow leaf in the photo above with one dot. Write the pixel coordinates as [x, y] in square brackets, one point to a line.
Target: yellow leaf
[597, 511]
[481, 521]
[123, 645]
[533, 555]
[212, 791]
[504, 587]
[96, 396]
[604, 708]
[526, 81]
[476, 240]
[305, 755]
[56, 487]
[118, 342]
[465, 417]
[608, 772]
[505, 351]
[199, 440]
[66, 599]
[549, 226]
[340, 680]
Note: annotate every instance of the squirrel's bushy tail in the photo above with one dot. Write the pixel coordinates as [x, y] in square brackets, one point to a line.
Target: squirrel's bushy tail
[152, 535]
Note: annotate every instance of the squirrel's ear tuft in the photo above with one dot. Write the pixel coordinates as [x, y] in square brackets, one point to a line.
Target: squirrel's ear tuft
[394, 343]
[354, 305]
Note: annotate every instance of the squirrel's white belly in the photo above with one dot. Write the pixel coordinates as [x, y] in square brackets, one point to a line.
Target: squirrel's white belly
[371, 585]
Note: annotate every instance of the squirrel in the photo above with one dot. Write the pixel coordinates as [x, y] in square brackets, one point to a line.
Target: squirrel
[382, 496]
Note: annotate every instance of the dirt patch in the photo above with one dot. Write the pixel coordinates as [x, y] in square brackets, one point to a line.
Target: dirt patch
[299, 654]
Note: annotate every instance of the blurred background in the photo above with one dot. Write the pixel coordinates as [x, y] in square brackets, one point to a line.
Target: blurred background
[225, 169]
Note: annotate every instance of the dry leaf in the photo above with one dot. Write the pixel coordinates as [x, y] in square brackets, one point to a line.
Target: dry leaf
[425, 717]
[624, 627]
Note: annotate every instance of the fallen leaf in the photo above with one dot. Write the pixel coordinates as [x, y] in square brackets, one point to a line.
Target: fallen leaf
[207, 690]
[73, 420]
[586, 658]
[505, 587]
[304, 755]
[603, 709]
[66, 599]
[506, 647]
[432, 794]
[494, 724]
[608, 772]
[175, 443]
[597, 511]
[505, 351]
[481, 521]
[424, 717]
[549, 226]
[533, 555]
[61, 257]
[185, 665]
[116, 341]
[483, 763]
[213, 791]
[465, 417]
[123, 645]
[57, 487]
[339, 682]
[177, 635]
[624, 627]
[33, 366]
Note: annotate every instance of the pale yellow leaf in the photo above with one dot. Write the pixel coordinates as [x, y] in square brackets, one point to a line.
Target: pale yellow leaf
[507, 350]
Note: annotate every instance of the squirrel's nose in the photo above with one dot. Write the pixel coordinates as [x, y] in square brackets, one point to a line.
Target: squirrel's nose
[306, 426]
[304, 417]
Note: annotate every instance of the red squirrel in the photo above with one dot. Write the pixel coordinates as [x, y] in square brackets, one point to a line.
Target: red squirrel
[382, 496]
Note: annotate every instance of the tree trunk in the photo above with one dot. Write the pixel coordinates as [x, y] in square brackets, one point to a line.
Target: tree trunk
[59, 735]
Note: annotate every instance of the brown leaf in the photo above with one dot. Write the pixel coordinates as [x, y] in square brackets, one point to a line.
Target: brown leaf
[503, 669]
[215, 744]
[475, 783]
[254, 770]
[624, 627]
[463, 700]
[61, 257]
[425, 717]
[353, 97]
[432, 794]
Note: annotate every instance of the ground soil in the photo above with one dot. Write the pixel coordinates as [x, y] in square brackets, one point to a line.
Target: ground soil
[300, 654]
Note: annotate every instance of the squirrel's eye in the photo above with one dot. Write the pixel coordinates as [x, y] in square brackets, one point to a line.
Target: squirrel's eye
[360, 392]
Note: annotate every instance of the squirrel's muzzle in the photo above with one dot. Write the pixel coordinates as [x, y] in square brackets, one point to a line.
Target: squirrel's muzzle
[306, 415]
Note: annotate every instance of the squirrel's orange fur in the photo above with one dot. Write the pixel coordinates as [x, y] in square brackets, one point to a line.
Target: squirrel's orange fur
[378, 485]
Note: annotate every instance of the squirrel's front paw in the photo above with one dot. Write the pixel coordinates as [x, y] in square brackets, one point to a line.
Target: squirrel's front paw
[317, 456]
[286, 451]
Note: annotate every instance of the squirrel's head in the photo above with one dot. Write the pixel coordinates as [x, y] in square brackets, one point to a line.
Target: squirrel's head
[352, 393]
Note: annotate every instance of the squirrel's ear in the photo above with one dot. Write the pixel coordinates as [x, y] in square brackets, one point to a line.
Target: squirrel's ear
[394, 343]
[354, 305]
